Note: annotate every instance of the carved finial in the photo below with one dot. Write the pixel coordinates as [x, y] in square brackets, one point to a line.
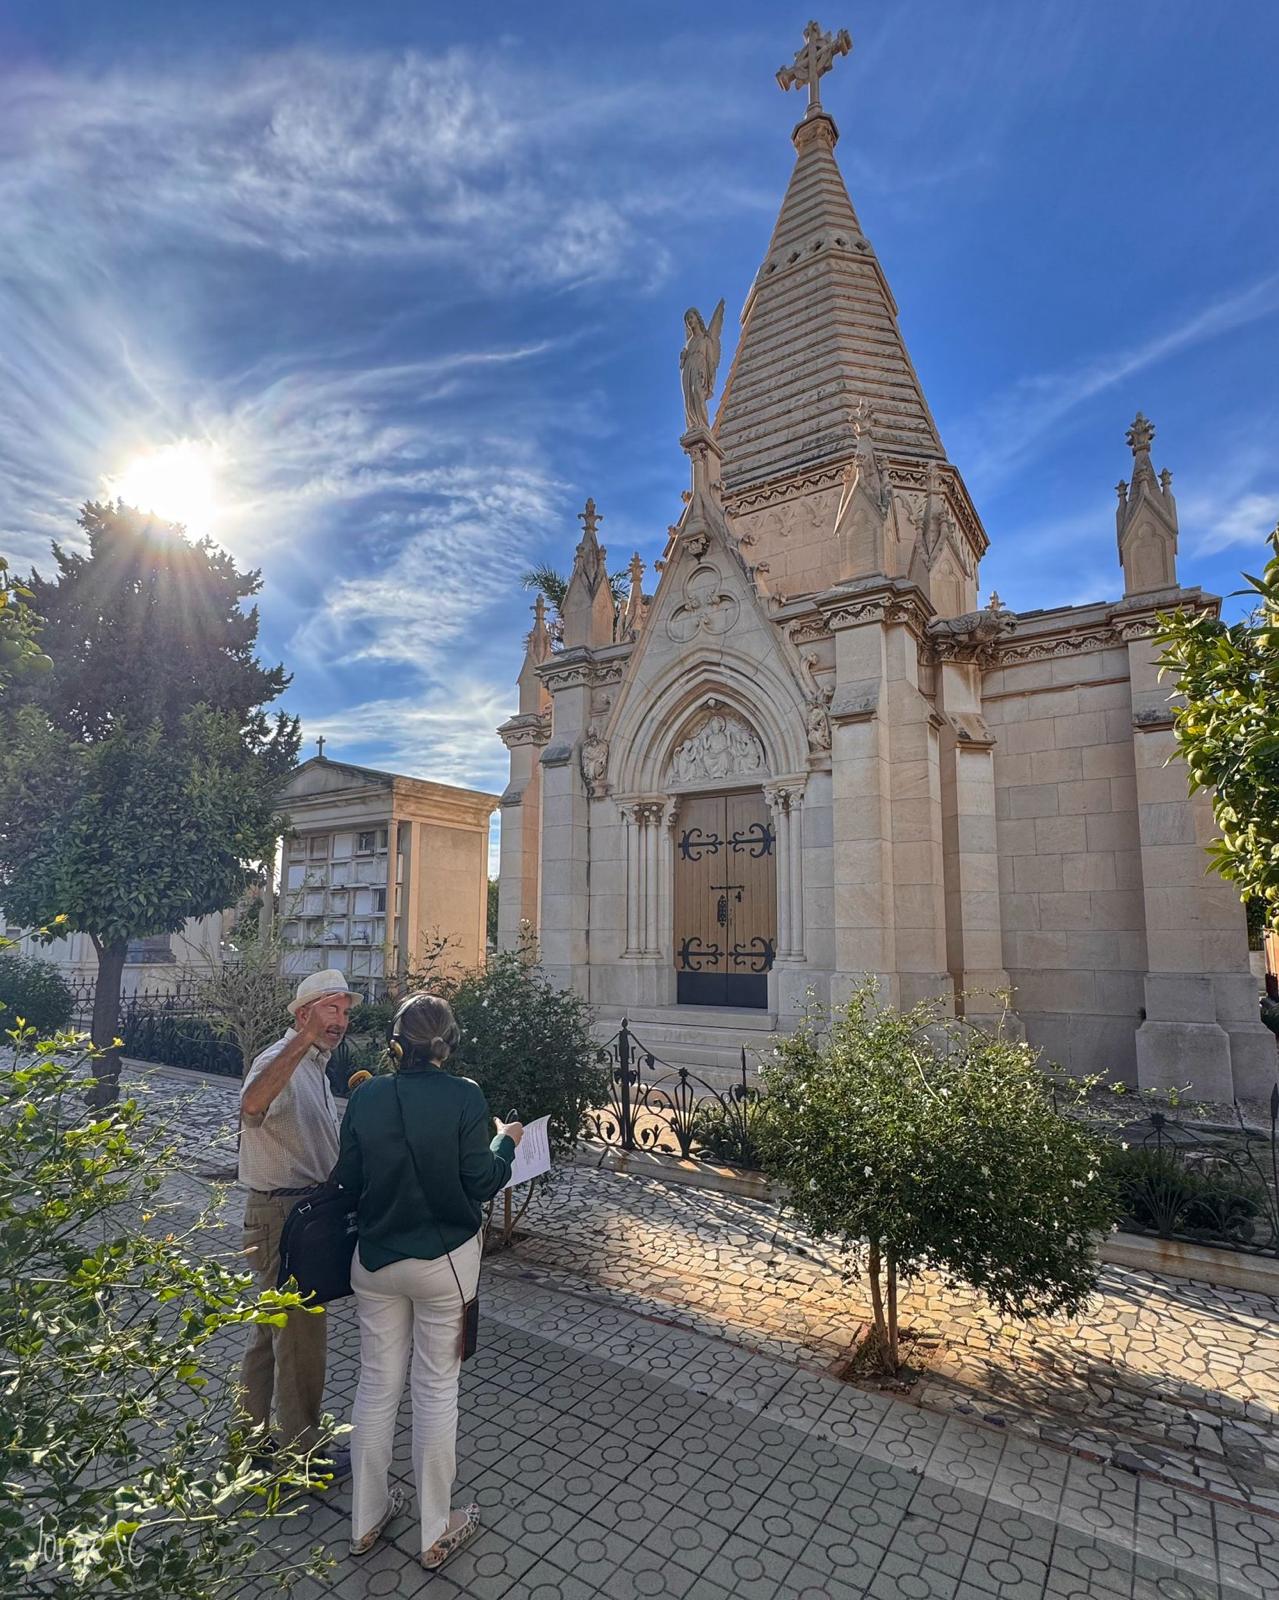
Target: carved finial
[539, 611]
[995, 603]
[1121, 489]
[590, 519]
[1140, 435]
[637, 571]
[813, 61]
[1165, 480]
[861, 417]
[319, 745]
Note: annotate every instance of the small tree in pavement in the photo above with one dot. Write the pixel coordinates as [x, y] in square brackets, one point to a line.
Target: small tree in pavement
[918, 1142]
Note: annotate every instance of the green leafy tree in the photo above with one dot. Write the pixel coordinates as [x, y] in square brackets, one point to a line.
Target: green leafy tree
[34, 990]
[138, 777]
[491, 920]
[122, 1470]
[20, 652]
[1227, 728]
[918, 1142]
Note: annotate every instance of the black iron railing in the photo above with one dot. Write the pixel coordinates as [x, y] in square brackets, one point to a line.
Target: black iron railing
[1201, 1183]
[659, 1107]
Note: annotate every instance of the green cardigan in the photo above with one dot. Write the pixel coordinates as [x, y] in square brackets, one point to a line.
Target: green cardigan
[447, 1120]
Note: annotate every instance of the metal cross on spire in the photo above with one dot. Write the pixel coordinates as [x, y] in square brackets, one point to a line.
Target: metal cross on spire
[814, 61]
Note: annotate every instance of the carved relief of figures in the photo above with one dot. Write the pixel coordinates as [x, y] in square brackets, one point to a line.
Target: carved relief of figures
[722, 747]
[698, 364]
[595, 764]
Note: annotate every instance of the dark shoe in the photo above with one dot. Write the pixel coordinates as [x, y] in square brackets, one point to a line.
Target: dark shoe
[333, 1464]
[265, 1451]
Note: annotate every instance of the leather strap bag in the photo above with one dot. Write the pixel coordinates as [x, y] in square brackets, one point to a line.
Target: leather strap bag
[468, 1342]
[317, 1243]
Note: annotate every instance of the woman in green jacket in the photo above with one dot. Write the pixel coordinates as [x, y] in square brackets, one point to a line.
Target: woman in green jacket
[416, 1152]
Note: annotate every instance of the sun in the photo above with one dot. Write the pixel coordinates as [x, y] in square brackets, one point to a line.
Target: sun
[177, 482]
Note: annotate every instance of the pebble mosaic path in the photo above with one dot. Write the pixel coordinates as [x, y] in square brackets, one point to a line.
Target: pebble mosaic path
[646, 1436]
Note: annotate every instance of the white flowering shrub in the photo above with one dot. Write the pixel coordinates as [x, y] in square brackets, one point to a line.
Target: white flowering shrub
[917, 1141]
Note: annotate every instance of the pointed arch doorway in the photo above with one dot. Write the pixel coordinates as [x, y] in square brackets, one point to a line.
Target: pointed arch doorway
[725, 912]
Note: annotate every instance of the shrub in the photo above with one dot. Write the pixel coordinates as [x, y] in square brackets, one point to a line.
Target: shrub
[917, 1141]
[35, 991]
[528, 1044]
[121, 1468]
[726, 1129]
[1158, 1191]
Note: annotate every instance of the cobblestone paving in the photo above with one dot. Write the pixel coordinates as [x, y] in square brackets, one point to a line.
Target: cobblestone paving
[638, 1423]
[1179, 1376]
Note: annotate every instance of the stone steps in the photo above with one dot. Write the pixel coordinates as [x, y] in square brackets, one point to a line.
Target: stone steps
[710, 1048]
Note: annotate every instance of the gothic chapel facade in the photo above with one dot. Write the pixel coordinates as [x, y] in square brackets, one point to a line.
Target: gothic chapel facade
[811, 755]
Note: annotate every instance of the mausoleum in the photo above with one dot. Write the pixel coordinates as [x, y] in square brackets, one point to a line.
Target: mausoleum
[813, 754]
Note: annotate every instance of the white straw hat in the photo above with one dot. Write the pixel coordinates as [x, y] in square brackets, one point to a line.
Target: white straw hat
[316, 984]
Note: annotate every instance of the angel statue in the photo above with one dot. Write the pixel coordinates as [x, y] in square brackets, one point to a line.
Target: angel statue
[698, 363]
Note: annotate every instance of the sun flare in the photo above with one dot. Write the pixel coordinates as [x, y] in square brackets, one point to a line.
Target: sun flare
[177, 482]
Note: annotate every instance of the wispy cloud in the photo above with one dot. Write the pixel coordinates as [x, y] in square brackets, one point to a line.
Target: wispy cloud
[1005, 433]
[446, 734]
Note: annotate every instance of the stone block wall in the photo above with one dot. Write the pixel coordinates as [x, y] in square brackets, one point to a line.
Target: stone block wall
[1070, 855]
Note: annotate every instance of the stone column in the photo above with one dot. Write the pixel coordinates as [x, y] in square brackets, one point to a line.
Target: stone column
[785, 801]
[779, 804]
[974, 937]
[886, 797]
[651, 822]
[520, 840]
[565, 901]
[1202, 1025]
[631, 822]
[795, 868]
[666, 883]
[405, 839]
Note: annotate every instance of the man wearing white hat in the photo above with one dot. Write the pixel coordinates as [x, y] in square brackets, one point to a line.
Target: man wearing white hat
[289, 1125]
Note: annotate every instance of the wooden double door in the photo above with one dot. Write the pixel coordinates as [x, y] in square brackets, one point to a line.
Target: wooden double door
[725, 900]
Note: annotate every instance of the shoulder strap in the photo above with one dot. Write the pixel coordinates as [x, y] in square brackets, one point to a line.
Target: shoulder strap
[417, 1173]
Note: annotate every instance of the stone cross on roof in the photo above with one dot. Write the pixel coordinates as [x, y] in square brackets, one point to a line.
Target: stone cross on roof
[320, 744]
[813, 61]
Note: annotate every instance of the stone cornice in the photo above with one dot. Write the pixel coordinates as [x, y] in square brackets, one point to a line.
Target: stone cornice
[889, 601]
[532, 727]
[582, 670]
[1118, 626]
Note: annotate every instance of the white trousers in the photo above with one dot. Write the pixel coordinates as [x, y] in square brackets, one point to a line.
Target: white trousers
[410, 1306]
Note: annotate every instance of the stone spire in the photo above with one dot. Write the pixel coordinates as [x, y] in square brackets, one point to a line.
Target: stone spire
[819, 329]
[633, 615]
[587, 612]
[533, 696]
[1146, 518]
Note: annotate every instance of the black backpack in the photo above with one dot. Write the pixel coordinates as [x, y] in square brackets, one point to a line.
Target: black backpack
[317, 1243]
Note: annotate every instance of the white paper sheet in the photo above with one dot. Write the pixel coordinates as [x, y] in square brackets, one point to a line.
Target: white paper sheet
[533, 1157]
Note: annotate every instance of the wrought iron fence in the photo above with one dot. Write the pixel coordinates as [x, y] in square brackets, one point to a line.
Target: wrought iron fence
[1201, 1183]
[659, 1107]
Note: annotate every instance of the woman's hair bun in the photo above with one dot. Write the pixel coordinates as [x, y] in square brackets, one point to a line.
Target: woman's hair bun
[424, 1026]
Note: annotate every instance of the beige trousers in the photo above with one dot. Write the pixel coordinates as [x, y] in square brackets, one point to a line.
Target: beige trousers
[284, 1366]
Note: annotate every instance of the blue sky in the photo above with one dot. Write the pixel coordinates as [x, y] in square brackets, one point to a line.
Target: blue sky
[411, 276]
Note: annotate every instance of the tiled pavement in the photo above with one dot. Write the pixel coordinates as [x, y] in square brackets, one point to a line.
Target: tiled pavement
[616, 1455]
[617, 1452]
